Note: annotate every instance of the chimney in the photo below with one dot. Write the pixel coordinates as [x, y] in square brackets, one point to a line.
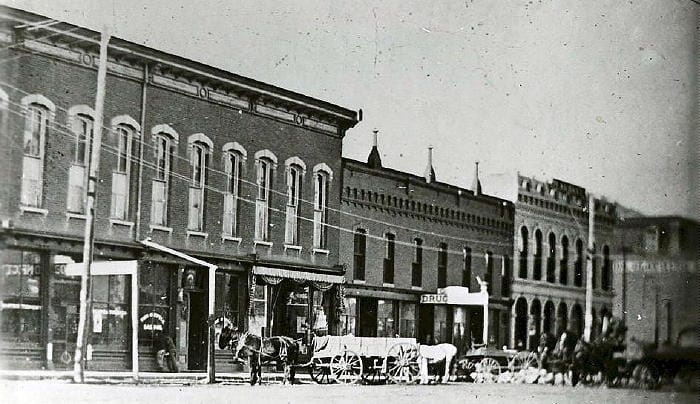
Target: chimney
[374, 161]
[476, 186]
[429, 171]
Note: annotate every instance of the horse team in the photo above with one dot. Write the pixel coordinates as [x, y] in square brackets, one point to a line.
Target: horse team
[567, 355]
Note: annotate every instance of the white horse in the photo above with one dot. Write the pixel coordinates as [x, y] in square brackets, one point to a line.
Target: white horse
[430, 354]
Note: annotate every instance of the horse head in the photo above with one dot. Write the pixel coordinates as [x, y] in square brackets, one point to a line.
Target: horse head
[228, 335]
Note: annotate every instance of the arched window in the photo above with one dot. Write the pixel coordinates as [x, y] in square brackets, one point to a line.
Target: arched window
[389, 258]
[82, 123]
[489, 275]
[467, 267]
[607, 273]
[564, 263]
[39, 112]
[578, 266]
[360, 254]
[524, 241]
[165, 140]
[295, 172]
[442, 266]
[265, 162]
[233, 155]
[551, 258]
[417, 265]
[124, 129]
[200, 147]
[537, 264]
[322, 181]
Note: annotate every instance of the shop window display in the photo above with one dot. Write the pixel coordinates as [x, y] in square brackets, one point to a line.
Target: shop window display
[20, 287]
[385, 319]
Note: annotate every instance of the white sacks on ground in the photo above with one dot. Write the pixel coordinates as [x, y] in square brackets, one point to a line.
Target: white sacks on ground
[531, 375]
[505, 377]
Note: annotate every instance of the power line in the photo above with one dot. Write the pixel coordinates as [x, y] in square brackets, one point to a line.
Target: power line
[146, 144]
[188, 180]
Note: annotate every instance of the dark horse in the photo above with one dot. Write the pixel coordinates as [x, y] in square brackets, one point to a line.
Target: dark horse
[596, 357]
[260, 351]
[556, 356]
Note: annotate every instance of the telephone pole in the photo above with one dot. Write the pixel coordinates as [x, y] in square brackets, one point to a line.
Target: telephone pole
[589, 270]
[92, 170]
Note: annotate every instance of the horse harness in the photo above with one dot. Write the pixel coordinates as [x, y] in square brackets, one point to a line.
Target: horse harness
[242, 344]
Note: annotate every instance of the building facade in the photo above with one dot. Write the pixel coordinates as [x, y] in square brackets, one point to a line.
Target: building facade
[201, 170]
[409, 236]
[551, 243]
[656, 279]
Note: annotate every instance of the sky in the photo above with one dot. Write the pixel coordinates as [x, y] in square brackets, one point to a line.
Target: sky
[597, 93]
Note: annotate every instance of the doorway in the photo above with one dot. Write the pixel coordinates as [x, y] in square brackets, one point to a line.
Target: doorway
[368, 317]
[197, 335]
[426, 319]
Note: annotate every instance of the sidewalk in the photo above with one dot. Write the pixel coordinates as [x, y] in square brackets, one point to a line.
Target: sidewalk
[184, 378]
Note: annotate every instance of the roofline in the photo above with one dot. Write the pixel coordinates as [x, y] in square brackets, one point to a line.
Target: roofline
[437, 185]
[117, 45]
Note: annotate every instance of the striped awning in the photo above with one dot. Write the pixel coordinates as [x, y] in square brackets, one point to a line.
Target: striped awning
[299, 275]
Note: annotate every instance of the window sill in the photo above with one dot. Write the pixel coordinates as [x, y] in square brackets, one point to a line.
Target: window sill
[78, 216]
[120, 222]
[320, 251]
[157, 227]
[292, 247]
[388, 285]
[231, 238]
[359, 281]
[262, 242]
[31, 209]
[416, 288]
[195, 233]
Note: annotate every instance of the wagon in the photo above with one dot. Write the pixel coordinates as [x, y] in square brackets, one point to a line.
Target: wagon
[349, 359]
[489, 363]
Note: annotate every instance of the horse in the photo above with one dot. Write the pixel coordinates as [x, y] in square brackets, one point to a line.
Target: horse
[556, 356]
[591, 359]
[259, 351]
[434, 354]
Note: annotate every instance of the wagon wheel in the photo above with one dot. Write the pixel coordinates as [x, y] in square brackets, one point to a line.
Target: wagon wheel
[523, 361]
[401, 363]
[373, 374]
[320, 371]
[644, 377]
[465, 368]
[489, 370]
[346, 368]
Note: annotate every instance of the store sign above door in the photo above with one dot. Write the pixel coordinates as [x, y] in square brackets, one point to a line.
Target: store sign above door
[456, 295]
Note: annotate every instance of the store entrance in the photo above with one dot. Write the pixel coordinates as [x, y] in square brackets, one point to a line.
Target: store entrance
[368, 317]
[426, 316]
[197, 331]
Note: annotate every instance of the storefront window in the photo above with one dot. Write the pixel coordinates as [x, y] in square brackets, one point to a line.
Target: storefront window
[385, 319]
[259, 320]
[64, 295]
[320, 313]
[226, 300]
[408, 320]
[20, 286]
[110, 315]
[459, 326]
[349, 321]
[440, 324]
[154, 302]
[297, 310]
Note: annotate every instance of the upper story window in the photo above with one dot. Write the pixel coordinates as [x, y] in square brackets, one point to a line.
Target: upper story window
[233, 156]
[38, 116]
[489, 275]
[165, 139]
[360, 252]
[467, 267]
[417, 268]
[265, 162]
[81, 122]
[125, 129]
[295, 174]
[322, 180]
[200, 147]
[442, 266]
[389, 258]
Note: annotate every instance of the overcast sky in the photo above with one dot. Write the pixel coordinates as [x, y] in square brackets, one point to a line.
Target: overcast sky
[598, 93]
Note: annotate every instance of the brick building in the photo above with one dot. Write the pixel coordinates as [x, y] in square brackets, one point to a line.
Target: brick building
[201, 170]
[551, 239]
[411, 235]
[656, 279]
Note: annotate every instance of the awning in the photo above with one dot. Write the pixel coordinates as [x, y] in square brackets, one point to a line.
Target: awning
[299, 275]
[456, 295]
[179, 254]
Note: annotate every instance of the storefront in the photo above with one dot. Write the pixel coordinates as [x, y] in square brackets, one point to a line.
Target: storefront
[371, 313]
[451, 316]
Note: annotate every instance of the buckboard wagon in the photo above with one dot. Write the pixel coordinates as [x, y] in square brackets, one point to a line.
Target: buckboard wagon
[349, 359]
[487, 364]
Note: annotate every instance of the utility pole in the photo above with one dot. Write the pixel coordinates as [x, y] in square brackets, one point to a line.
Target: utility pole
[92, 170]
[589, 270]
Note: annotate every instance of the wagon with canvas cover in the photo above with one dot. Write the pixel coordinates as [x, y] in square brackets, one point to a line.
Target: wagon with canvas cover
[349, 359]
